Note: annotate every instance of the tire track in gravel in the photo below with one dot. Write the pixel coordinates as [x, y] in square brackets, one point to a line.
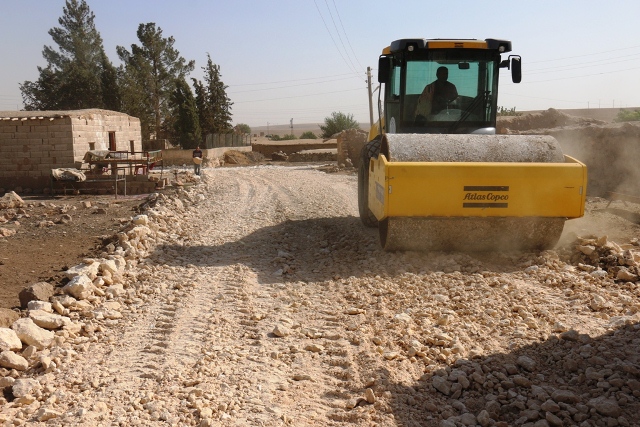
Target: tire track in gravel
[245, 351]
[204, 301]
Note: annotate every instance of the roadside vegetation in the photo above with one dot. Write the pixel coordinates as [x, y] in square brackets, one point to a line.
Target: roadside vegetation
[503, 111]
[308, 135]
[338, 122]
[628, 116]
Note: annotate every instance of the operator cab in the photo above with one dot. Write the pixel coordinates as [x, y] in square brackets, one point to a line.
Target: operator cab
[443, 86]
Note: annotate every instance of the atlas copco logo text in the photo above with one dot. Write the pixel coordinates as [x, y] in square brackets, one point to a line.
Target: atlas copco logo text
[494, 196]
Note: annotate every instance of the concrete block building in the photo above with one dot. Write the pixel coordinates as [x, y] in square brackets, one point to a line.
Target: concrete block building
[32, 143]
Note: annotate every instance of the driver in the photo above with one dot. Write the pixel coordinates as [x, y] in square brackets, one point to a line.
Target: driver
[437, 95]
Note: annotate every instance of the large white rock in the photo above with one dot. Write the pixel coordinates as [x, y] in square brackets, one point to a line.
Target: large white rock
[80, 287]
[24, 386]
[121, 263]
[48, 320]
[140, 220]
[64, 300]
[9, 340]
[32, 334]
[11, 360]
[90, 270]
[40, 305]
[138, 232]
[11, 200]
[115, 290]
[109, 265]
[46, 414]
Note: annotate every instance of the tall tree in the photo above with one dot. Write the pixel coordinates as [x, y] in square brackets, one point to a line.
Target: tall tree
[75, 72]
[150, 73]
[214, 106]
[184, 119]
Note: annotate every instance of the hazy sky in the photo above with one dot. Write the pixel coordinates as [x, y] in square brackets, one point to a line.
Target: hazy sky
[303, 59]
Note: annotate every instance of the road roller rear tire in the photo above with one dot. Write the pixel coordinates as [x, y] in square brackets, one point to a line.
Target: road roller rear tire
[369, 151]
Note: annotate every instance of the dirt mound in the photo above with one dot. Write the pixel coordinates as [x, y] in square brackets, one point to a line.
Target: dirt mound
[609, 150]
[234, 157]
[548, 119]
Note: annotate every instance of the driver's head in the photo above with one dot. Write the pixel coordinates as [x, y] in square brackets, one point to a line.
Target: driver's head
[442, 73]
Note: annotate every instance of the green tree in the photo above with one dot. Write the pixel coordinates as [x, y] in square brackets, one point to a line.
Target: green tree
[185, 128]
[337, 123]
[111, 95]
[149, 75]
[308, 135]
[242, 128]
[78, 73]
[214, 106]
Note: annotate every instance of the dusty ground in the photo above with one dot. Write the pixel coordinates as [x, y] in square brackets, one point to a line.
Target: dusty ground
[258, 299]
[45, 244]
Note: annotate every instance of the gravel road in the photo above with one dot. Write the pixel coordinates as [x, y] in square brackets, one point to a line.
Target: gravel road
[257, 298]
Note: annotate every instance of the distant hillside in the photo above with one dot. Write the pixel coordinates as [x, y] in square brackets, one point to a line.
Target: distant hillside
[605, 114]
[298, 129]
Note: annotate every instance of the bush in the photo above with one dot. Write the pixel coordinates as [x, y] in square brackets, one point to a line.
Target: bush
[628, 116]
[308, 135]
[337, 123]
[502, 111]
[242, 128]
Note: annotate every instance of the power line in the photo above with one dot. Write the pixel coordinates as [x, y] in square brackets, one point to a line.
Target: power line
[580, 65]
[297, 96]
[586, 54]
[338, 34]
[332, 39]
[289, 81]
[288, 86]
[345, 36]
[585, 75]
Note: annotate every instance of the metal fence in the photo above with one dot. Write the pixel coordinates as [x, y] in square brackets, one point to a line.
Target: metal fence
[216, 140]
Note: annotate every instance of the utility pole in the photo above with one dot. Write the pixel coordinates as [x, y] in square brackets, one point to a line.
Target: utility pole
[370, 97]
[291, 121]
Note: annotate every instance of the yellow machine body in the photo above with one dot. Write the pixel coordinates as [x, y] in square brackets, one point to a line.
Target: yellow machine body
[436, 173]
[476, 189]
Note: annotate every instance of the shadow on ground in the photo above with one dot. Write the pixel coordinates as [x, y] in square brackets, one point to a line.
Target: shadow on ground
[566, 381]
[322, 249]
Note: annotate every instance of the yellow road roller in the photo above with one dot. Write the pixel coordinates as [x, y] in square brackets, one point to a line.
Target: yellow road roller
[435, 176]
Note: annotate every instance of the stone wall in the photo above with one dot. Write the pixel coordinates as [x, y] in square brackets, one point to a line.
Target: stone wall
[350, 143]
[210, 157]
[34, 142]
[267, 148]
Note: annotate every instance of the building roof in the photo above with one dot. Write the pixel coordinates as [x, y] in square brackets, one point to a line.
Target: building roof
[24, 115]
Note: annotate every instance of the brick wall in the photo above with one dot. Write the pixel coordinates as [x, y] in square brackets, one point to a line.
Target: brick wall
[33, 143]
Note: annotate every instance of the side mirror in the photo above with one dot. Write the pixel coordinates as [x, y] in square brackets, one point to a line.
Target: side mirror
[516, 68]
[384, 69]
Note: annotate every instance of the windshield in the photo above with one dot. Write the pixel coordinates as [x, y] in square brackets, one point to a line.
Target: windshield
[444, 89]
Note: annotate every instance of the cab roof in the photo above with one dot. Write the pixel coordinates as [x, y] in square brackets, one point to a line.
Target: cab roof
[501, 46]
